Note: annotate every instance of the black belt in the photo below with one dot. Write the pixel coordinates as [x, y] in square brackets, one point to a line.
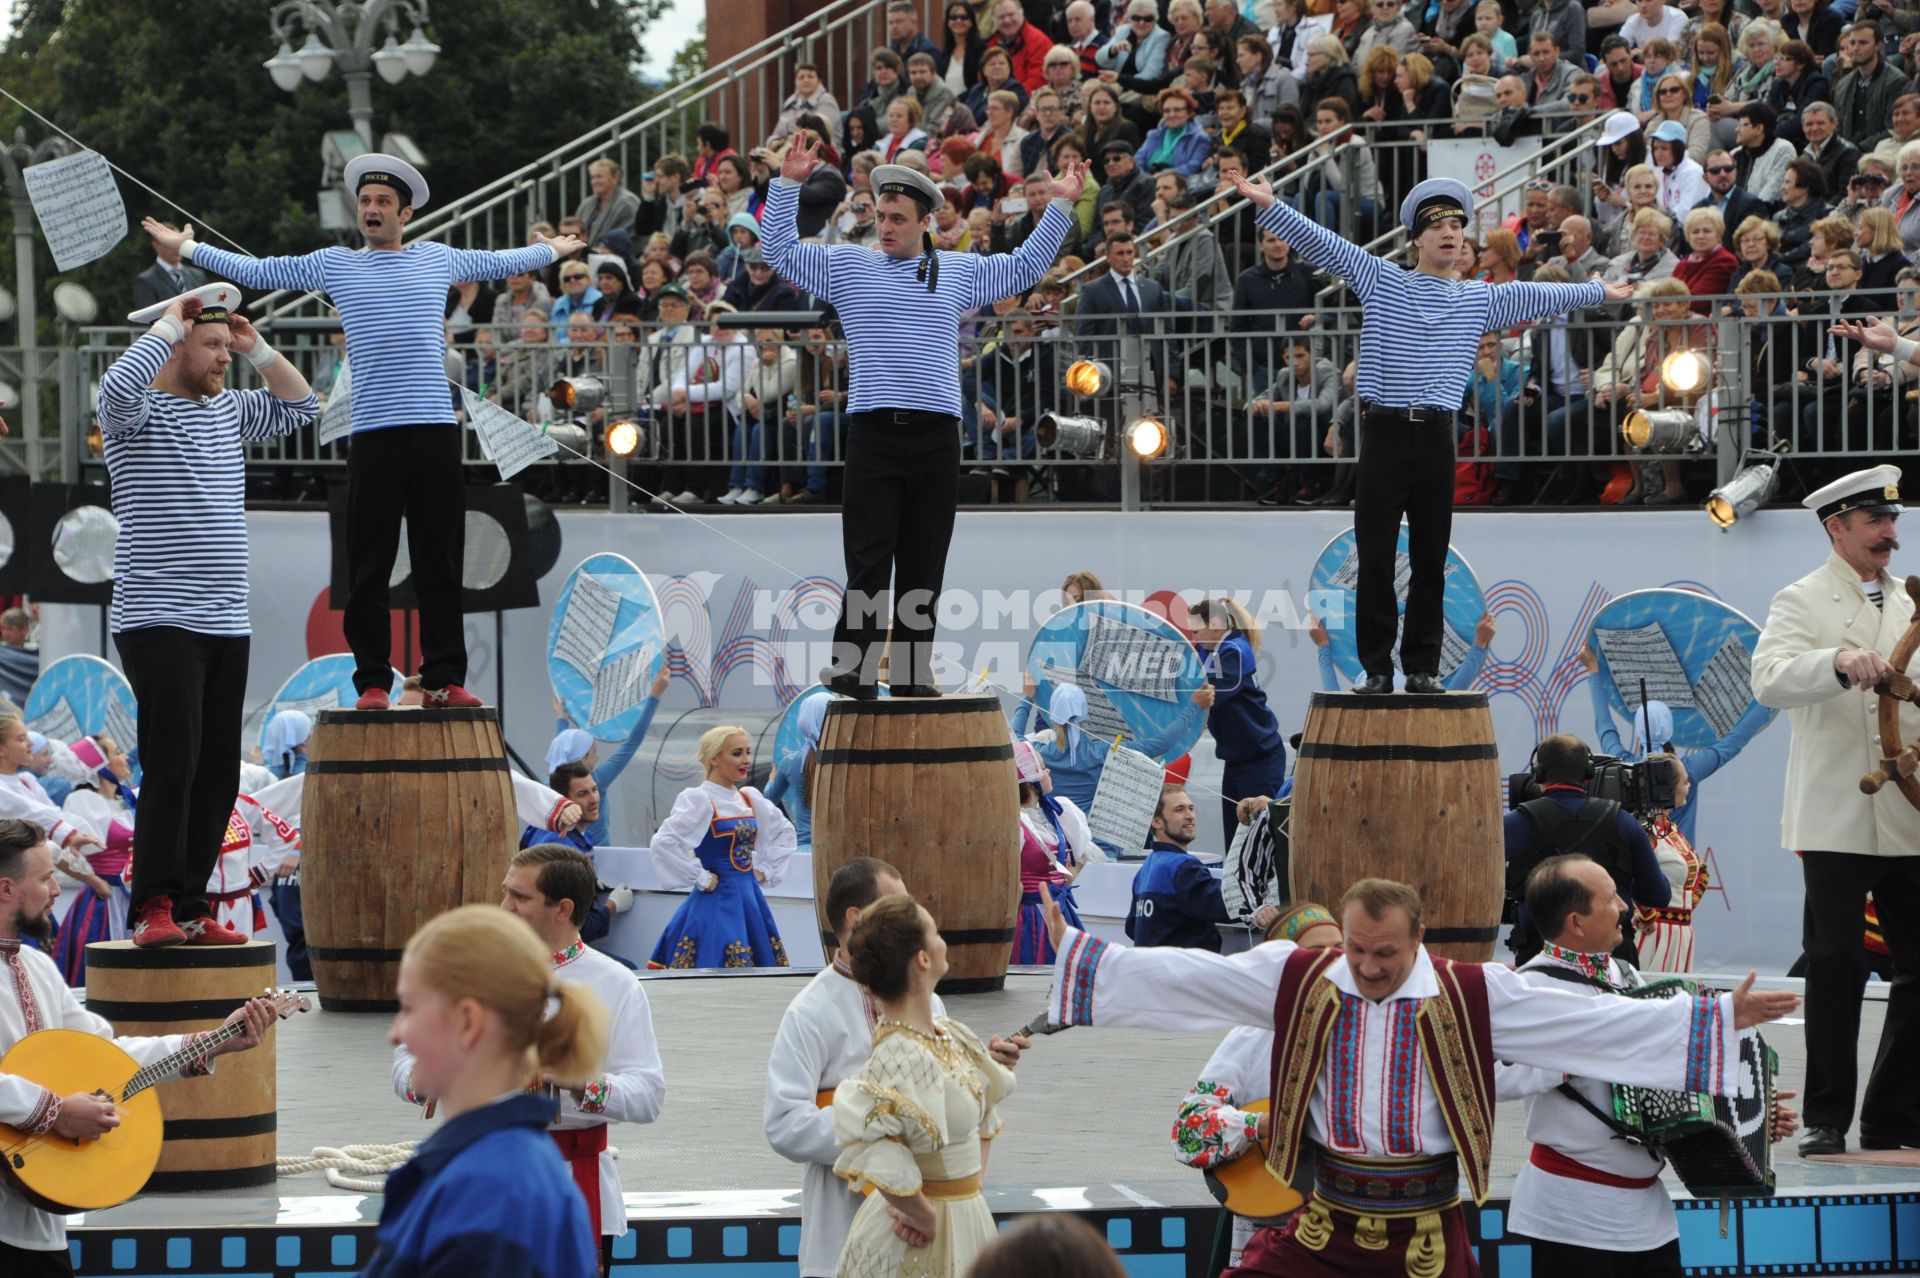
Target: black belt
[904, 417]
[1418, 415]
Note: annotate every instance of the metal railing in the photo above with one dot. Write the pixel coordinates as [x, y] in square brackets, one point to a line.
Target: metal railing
[1211, 378]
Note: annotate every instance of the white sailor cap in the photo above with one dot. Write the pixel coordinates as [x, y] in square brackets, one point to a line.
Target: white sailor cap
[218, 302]
[388, 170]
[1876, 488]
[1433, 200]
[898, 179]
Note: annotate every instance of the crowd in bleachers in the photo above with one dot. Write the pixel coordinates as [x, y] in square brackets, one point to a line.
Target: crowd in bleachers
[1764, 154]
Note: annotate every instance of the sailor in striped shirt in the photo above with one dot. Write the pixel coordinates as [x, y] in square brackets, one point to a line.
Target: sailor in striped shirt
[172, 433]
[900, 304]
[407, 446]
[1420, 331]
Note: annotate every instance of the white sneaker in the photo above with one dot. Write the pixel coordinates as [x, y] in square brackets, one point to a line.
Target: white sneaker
[731, 497]
[686, 499]
[751, 497]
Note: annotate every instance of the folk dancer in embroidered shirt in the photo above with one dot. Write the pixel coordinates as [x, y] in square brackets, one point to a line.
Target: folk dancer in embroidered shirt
[901, 305]
[33, 1243]
[551, 886]
[1217, 1123]
[1384, 1059]
[173, 435]
[405, 461]
[825, 1036]
[1420, 334]
[1592, 1205]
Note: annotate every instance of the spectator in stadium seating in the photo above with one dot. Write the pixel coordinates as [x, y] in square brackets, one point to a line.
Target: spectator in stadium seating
[1837, 156]
[1620, 74]
[1551, 75]
[1638, 189]
[743, 233]
[1864, 96]
[1622, 147]
[1683, 183]
[1498, 261]
[1756, 243]
[1329, 74]
[1050, 125]
[733, 179]
[1886, 378]
[925, 86]
[653, 278]
[1106, 123]
[1294, 25]
[1226, 24]
[1817, 396]
[1333, 121]
[809, 97]
[1378, 67]
[903, 30]
[1115, 302]
[1135, 59]
[1084, 37]
[522, 291]
[1753, 74]
[577, 293]
[961, 45]
[1198, 76]
[1186, 18]
[1629, 377]
[1062, 69]
[1070, 150]
[611, 206]
[1802, 203]
[1178, 142]
[1126, 182]
[1192, 268]
[1536, 423]
[859, 130]
[1236, 130]
[1577, 256]
[1265, 85]
[1024, 42]
[1798, 82]
[1724, 195]
[1904, 199]
[1708, 268]
[710, 142]
[1389, 27]
[700, 277]
[1673, 104]
[1707, 13]
[769, 379]
[1278, 282]
[1289, 417]
[999, 138]
[1815, 22]
[616, 292]
[903, 129]
[1761, 157]
[1648, 257]
[996, 76]
[1442, 27]
[1659, 56]
[889, 81]
[1713, 66]
[1017, 380]
[758, 288]
[525, 367]
[1878, 241]
[1903, 126]
[661, 199]
[1653, 20]
[1166, 185]
[810, 428]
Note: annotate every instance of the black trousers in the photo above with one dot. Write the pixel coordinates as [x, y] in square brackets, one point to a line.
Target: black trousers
[1837, 884]
[1405, 469]
[901, 486]
[18, 1262]
[410, 472]
[1565, 1260]
[191, 689]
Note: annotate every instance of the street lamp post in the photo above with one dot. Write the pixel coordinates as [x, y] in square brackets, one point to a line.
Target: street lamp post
[342, 33]
[13, 158]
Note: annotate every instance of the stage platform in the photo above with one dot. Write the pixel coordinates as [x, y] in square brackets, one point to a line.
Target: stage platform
[1087, 1132]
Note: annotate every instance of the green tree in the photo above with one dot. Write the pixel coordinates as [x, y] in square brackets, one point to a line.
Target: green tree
[173, 92]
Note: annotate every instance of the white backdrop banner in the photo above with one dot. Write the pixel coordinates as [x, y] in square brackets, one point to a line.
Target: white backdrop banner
[748, 624]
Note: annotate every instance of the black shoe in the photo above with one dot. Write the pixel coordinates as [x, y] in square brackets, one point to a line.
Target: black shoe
[848, 685]
[1888, 1140]
[1273, 497]
[1374, 685]
[914, 690]
[1425, 684]
[1822, 1140]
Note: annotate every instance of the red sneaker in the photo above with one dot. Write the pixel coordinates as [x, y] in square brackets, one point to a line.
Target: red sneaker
[153, 925]
[208, 930]
[452, 697]
[372, 699]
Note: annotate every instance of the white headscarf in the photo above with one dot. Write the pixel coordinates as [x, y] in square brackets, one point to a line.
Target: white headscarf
[286, 732]
[1652, 728]
[1066, 708]
[810, 719]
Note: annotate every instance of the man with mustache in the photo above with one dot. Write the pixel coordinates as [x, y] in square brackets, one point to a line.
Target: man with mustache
[1824, 649]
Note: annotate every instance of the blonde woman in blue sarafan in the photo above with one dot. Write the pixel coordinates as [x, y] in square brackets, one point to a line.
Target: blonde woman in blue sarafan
[722, 841]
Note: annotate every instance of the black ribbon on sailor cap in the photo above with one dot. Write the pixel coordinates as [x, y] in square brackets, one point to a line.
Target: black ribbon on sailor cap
[394, 180]
[929, 269]
[1437, 209]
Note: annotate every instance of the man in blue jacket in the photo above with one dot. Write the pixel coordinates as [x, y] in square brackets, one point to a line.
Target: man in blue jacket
[1176, 900]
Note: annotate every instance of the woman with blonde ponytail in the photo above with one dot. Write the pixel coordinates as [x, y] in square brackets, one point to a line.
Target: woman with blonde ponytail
[489, 1027]
[1246, 736]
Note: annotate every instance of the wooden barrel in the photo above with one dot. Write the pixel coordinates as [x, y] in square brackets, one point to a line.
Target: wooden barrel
[926, 785]
[1404, 787]
[219, 1132]
[408, 813]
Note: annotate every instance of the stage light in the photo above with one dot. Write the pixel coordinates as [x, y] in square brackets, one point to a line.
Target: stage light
[1148, 437]
[577, 395]
[571, 433]
[1074, 436]
[1683, 372]
[1745, 493]
[1660, 430]
[626, 437]
[1088, 377]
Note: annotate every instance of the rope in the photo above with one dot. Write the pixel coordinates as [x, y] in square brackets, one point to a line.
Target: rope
[358, 1160]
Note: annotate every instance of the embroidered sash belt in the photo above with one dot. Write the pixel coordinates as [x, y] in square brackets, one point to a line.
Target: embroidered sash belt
[1386, 1186]
[1663, 914]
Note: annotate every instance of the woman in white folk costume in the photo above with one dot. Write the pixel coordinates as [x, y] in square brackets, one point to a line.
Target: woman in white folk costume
[552, 887]
[721, 842]
[24, 798]
[1664, 934]
[99, 804]
[1215, 1124]
[914, 1124]
[1385, 1060]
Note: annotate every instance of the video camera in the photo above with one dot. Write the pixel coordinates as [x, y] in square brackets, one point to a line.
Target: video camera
[1642, 788]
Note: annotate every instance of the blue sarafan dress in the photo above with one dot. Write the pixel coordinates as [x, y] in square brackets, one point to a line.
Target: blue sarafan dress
[711, 844]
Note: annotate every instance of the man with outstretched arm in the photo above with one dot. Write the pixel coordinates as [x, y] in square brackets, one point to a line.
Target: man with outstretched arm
[1420, 333]
[407, 445]
[900, 305]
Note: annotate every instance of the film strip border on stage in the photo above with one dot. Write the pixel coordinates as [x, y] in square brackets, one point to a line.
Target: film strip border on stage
[1821, 1234]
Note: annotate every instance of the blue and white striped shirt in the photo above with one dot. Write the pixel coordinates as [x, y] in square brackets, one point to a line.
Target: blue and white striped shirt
[1419, 334]
[903, 343]
[393, 306]
[179, 492]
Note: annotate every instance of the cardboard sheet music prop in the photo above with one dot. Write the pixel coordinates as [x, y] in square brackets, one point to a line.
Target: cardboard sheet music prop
[605, 645]
[1696, 655]
[1336, 576]
[80, 696]
[1135, 666]
[1124, 803]
[78, 205]
[509, 443]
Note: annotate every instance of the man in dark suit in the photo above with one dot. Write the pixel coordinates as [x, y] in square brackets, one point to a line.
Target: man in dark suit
[1731, 201]
[1116, 302]
[167, 277]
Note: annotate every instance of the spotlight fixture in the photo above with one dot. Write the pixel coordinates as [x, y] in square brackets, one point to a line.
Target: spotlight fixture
[1659, 430]
[571, 433]
[577, 396]
[1745, 493]
[1148, 438]
[1683, 372]
[1074, 436]
[627, 437]
[1088, 377]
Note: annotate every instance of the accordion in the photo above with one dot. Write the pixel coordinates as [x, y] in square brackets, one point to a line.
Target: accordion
[1719, 1146]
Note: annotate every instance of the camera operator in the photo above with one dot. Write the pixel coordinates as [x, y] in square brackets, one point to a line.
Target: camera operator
[1566, 818]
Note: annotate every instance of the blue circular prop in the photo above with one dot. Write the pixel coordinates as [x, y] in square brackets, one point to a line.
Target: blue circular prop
[87, 692]
[325, 683]
[1133, 647]
[1696, 654]
[1335, 574]
[611, 637]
